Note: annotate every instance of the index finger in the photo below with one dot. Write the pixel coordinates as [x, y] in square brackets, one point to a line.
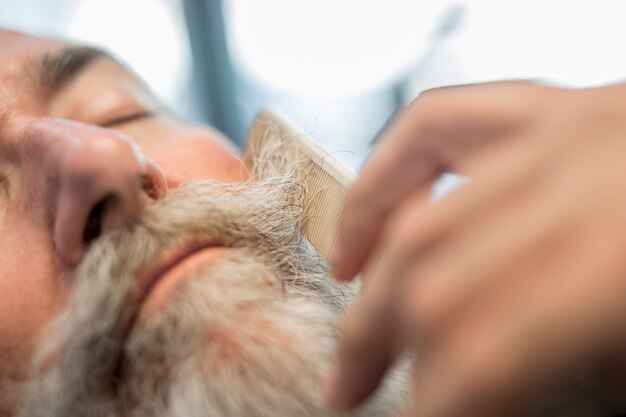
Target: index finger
[434, 133]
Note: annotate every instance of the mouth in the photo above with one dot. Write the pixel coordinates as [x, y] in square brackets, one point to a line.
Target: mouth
[154, 283]
[174, 266]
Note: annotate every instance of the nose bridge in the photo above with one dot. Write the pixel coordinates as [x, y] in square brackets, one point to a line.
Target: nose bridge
[79, 156]
[92, 180]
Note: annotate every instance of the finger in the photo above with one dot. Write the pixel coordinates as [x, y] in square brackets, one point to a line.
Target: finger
[373, 323]
[413, 238]
[486, 246]
[360, 367]
[524, 336]
[366, 348]
[434, 133]
[511, 230]
[410, 208]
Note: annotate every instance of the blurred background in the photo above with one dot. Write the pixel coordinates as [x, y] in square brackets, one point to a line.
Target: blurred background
[338, 69]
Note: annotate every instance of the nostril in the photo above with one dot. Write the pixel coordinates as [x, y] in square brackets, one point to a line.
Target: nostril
[93, 227]
[153, 182]
[148, 185]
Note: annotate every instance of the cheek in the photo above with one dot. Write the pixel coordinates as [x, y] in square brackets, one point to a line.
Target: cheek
[198, 157]
[30, 293]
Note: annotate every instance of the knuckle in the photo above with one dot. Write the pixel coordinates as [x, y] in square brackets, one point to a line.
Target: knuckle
[432, 97]
[429, 302]
[398, 244]
[404, 236]
[427, 311]
[429, 110]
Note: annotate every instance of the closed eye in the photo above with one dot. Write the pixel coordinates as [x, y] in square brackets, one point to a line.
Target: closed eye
[133, 117]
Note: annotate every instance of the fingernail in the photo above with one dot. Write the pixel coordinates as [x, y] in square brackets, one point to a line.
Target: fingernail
[333, 395]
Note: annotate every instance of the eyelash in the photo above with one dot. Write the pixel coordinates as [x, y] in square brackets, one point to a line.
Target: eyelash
[128, 119]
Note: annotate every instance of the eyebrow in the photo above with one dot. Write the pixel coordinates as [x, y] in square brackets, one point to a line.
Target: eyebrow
[53, 70]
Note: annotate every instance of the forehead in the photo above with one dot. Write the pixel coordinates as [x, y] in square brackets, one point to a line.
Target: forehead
[18, 54]
[36, 70]
[16, 48]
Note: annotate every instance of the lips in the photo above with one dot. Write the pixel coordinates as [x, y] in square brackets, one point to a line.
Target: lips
[172, 267]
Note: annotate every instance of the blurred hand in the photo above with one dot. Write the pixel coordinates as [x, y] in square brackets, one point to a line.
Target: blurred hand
[506, 286]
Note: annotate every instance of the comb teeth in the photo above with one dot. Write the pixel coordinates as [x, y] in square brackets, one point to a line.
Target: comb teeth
[325, 198]
[326, 179]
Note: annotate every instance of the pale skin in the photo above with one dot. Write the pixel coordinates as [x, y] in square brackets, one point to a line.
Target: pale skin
[509, 285]
[96, 137]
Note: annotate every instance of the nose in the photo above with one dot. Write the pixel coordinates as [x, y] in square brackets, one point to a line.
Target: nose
[94, 180]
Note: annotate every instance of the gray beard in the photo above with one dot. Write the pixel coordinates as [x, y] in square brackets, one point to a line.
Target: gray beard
[253, 334]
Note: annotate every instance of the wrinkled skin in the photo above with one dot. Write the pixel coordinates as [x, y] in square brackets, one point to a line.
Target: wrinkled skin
[508, 286]
[98, 140]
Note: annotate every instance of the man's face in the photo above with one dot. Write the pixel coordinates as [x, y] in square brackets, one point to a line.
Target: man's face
[138, 289]
[84, 148]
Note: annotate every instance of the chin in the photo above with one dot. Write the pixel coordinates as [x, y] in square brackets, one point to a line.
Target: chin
[232, 340]
[233, 336]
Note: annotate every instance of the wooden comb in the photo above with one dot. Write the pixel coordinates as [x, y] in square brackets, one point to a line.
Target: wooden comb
[326, 180]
